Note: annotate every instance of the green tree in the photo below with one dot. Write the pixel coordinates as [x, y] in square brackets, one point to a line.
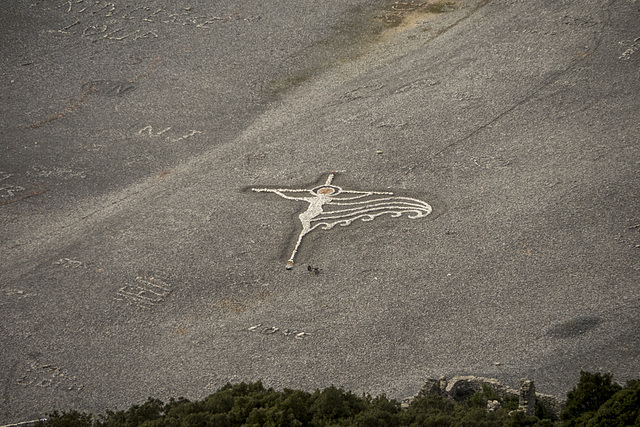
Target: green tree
[152, 409]
[622, 409]
[583, 401]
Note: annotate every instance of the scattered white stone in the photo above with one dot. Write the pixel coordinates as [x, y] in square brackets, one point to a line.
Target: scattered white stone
[493, 405]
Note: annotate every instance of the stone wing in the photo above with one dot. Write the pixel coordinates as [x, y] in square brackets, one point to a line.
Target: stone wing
[343, 211]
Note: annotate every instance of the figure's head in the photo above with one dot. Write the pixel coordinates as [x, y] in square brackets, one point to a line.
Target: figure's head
[326, 190]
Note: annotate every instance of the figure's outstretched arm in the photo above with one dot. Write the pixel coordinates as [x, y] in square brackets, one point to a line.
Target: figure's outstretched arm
[280, 193]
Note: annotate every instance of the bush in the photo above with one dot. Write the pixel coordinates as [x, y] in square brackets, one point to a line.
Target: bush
[583, 401]
[622, 409]
[68, 419]
[595, 401]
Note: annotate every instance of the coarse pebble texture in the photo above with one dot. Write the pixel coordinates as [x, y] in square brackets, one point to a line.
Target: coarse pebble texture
[136, 261]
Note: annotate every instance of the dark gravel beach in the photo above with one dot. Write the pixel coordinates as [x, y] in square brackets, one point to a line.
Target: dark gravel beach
[455, 185]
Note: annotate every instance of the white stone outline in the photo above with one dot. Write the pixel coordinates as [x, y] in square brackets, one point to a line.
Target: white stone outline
[145, 293]
[366, 210]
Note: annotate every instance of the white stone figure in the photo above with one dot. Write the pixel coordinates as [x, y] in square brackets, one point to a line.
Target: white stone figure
[351, 205]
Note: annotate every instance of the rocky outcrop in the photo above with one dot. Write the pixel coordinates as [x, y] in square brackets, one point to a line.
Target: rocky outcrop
[527, 402]
[463, 387]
